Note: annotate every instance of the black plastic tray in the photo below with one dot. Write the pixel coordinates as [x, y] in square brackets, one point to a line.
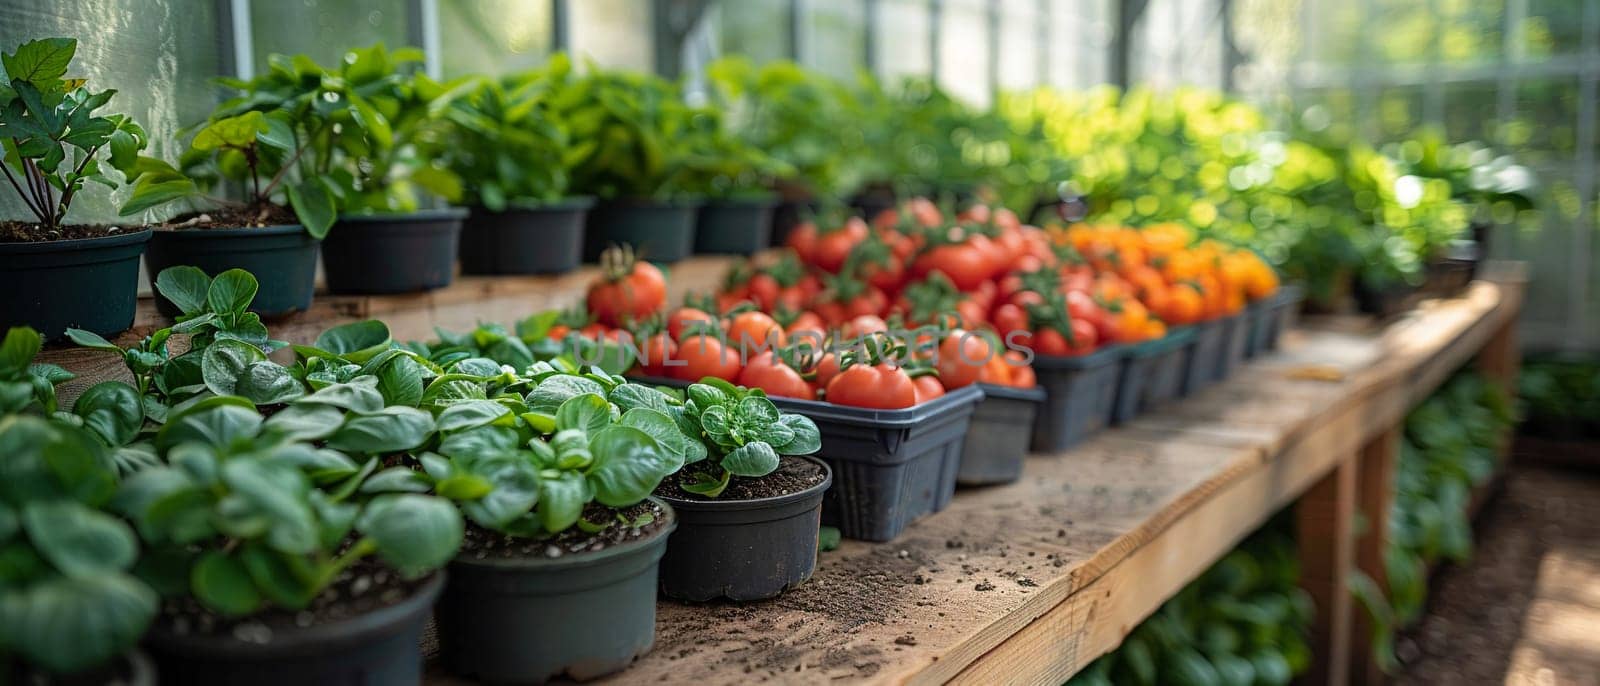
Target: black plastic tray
[1201, 356]
[1235, 335]
[998, 441]
[1269, 318]
[1079, 395]
[889, 466]
[1151, 374]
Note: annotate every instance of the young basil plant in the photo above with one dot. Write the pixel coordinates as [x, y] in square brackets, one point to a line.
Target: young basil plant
[743, 432]
[244, 514]
[530, 465]
[67, 597]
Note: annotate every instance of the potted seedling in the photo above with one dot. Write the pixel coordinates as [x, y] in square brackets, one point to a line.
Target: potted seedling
[734, 177]
[273, 233]
[364, 123]
[553, 470]
[639, 163]
[277, 568]
[75, 611]
[750, 511]
[504, 141]
[59, 274]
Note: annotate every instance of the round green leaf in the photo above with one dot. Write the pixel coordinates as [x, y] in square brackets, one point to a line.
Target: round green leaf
[751, 460]
[68, 624]
[628, 465]
[391, 429]
[561, 501]
[78, 540]
[223, 584]
[470, 414]
[231, 291]
[589, 412]
[415, 533]
[111, 409]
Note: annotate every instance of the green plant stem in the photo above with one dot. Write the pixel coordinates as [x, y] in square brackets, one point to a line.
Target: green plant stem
[283, 169]
[26, 198]
[362, 548]
[66, 196]
[41, 194]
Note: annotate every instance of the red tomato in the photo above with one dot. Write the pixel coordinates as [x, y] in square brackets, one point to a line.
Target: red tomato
[759, 328]
[1008, 318]
[629, 290]
[686, 318]
[883, 387]
[887, 276]
[861, 325]
[657, 350]
[558, 332]
[705, 356]
[826, 369]
[593, 331]
[962, 355]
[964, 265]
[803, 240]
[995, 371]
[1022, 375]
[928, 388]
[764, 291]
[971, 313]
[770, 374]
[834, 246]
[807, 321]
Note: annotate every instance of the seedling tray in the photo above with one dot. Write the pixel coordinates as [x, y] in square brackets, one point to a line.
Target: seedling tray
[1151, 374]
[1002, 428]
[1201, 356]
[889, 466]
[1235, 334]
[1269, 318]
[1080, 393]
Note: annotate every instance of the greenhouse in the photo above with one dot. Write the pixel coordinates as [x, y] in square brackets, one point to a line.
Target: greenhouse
[799, 341]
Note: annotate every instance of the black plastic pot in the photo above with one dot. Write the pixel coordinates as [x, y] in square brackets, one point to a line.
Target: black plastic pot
[743, 549]
[889, 466]
[1235, 336]
[1383, 302]
[1080, 393]
[533, 239]
[660, 231]
[526, 621]
[282, 258]
[1270, 317]
[392, 253]
[789, 214]
[998, 439]
[1201, 355]
[872, 203]
[1151, 374]
[85, 283]
[379, 647]
[734, 226]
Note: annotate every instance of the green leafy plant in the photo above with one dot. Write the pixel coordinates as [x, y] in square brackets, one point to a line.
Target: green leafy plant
[255, 150]
[505, 140]
[53, 140]
[243, 515]
[67, 597]
[797, 116]
[642, 130]
[357, 129]
[1561, 396]
[25, 385]
[743, 432]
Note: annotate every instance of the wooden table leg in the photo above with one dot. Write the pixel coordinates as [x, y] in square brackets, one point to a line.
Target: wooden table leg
[1378, 461]
[1500, 359]
[1325, 518]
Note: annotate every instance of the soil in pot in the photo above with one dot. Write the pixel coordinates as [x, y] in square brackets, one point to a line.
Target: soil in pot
[365, 628]
[582, 603]
[79, 276]
[392, 253]
[267, 241]
[755, 540]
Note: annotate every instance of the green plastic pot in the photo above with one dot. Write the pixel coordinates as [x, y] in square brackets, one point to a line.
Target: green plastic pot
[85, 283]
[392, 253]
[744, 549]
[734, 226]
[660, 231]
[534, 239]
[282, 258]
[526, 621]
[379, 647]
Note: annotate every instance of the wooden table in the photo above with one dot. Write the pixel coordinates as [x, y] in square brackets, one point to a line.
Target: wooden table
[1029, 582]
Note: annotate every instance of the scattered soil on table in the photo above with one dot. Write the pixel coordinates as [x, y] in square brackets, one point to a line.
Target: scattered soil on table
[481, 543]
[233, 217]
[12, 231]
[1524, 609]
[365, 586]
[793, 475]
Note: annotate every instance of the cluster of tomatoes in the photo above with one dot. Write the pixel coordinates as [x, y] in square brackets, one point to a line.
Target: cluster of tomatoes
[921, 301]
